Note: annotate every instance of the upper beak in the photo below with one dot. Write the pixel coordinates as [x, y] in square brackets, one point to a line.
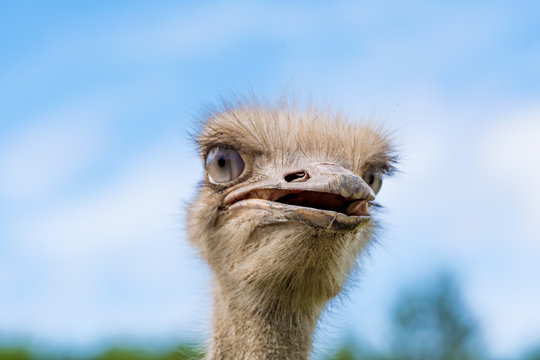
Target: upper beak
[321, 177]
[334, 179]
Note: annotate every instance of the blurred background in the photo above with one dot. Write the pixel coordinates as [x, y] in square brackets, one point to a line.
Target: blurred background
[97, 99]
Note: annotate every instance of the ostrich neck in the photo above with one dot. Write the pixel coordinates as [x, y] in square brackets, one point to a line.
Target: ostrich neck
[260, 327]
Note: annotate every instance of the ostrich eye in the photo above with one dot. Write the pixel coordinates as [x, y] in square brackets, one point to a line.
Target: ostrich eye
[373, 179]
[224, 164]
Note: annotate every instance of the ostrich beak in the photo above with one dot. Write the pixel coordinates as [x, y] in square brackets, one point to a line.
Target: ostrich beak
[322, 195]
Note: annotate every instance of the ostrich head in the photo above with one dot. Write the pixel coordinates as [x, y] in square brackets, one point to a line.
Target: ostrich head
[285, 205]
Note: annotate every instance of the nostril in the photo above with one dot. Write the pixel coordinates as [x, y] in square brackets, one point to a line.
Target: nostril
[299, 176]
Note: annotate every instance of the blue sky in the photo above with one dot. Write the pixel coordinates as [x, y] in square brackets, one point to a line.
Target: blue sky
[96, 99]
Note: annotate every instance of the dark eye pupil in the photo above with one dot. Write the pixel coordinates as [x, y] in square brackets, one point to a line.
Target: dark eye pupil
[223, 164]
[371, 179]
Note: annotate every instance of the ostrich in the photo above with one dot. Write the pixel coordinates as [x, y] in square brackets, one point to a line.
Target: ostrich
[280, 217]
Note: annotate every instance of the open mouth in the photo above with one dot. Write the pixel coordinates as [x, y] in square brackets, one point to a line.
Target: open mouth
[326, 201]
[319, 209]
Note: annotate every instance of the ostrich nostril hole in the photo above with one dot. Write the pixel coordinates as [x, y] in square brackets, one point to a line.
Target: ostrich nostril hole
[299, 176]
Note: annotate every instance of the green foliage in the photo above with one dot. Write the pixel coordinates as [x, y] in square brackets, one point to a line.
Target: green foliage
[185, 352]
[344, 354]
[352, 352]
[15, 354]
[434, 324]
[181, 353]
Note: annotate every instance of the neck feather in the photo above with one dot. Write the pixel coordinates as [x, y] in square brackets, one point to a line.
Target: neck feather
[261, 327]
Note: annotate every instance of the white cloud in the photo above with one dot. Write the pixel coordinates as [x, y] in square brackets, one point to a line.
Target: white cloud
[44, 153]
[144, 201]
[46, 150]
[510, 154]
[183, 31]
[113, 261]
[160, 34]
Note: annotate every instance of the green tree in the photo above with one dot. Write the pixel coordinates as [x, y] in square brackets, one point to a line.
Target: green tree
[433, 324]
